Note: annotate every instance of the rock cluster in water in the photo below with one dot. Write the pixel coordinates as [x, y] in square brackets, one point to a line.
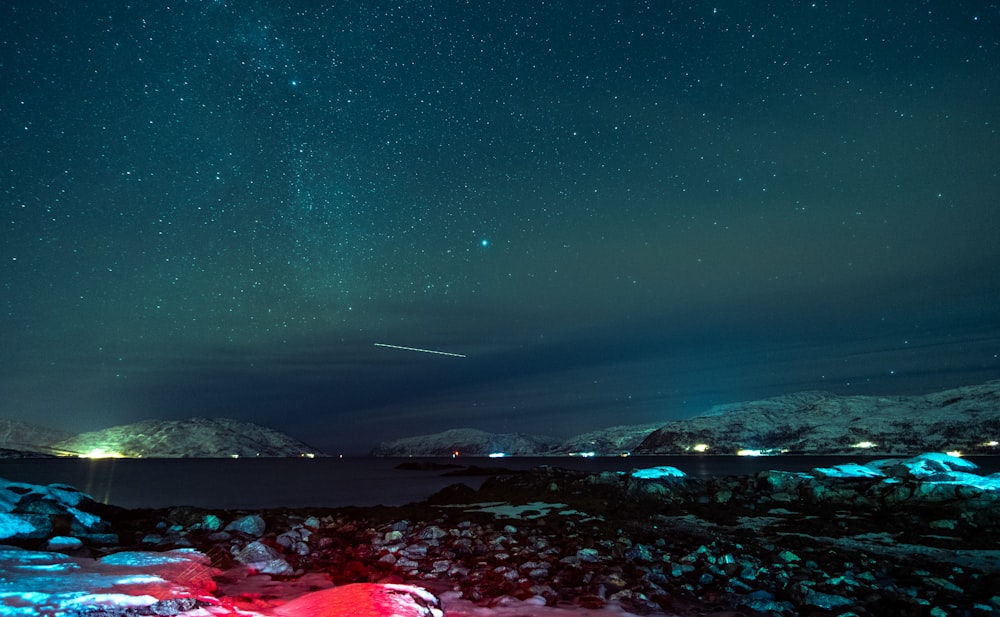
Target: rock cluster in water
[913, 537]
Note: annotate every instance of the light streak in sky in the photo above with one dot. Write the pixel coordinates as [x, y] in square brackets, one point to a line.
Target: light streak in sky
[441, 353]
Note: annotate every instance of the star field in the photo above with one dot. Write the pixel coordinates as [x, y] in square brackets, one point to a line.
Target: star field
[618, 213]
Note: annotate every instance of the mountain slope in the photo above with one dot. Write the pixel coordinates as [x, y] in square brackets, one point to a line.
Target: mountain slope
[467, 442]
[611, 441]
[193, 438]
[25, 437]
[965, 419]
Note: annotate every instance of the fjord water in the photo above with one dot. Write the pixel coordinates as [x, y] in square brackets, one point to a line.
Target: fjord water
[335, 482]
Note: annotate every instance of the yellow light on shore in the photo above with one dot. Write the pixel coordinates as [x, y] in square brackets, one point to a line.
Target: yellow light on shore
[864, 445]
[102, 453]
[749, 453]
[700, 447]
[955, 453]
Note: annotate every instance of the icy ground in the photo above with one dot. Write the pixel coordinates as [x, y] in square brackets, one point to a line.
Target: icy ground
[52, 584]
[58, 583]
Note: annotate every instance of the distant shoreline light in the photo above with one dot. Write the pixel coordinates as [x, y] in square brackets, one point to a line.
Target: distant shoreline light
[102, 453]
[755, 452]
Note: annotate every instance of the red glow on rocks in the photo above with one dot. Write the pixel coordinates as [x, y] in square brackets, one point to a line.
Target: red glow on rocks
[363, 600]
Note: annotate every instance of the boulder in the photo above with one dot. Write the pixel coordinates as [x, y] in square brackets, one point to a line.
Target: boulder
[252, 525]
[263, 559]
[364, 600]
[36, 512]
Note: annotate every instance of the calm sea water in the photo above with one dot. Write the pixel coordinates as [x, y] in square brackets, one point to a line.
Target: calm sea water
[334, 482]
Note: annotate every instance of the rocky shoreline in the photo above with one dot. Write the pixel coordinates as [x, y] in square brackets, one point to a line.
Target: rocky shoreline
[903, 538]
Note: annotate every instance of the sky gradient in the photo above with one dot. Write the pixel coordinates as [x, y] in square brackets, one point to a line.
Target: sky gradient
[616, 212]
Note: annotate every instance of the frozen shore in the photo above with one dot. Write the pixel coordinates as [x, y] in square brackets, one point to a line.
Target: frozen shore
[902, 537]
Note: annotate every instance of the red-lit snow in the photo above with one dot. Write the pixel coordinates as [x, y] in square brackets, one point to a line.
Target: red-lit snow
[49, 584]
[364, 600]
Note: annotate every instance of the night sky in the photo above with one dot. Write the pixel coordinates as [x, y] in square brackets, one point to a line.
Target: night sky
[617, 212]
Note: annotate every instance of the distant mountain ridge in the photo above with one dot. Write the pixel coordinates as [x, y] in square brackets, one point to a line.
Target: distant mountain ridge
[611, 441]
[193, 438]
[966, 419]
[465, 442]
[26, 437]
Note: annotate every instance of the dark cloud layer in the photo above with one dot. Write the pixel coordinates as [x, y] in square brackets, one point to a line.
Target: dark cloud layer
[617, 213]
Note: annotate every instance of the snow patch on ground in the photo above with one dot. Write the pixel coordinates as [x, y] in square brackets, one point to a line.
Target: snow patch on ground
[658, 473]
[535, 509]
[49, 584]
[11, 525]
[849, 470]
[938, 468]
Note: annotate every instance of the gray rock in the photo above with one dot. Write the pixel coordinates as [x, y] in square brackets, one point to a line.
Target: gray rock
[210, 522]
[252, 525]
[294, 542]
[789, 557]
[826, 601]
[639, 552]
[263, 559]
[432, 533]
[589, 555]
[763, 602]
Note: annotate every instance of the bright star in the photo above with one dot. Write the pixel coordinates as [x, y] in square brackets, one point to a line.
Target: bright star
[484, 243]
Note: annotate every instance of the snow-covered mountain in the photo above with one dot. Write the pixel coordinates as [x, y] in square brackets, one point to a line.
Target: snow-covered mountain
[25, 437]
[612, 441]
[194, 438]
[467, 442]
[965, 419]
